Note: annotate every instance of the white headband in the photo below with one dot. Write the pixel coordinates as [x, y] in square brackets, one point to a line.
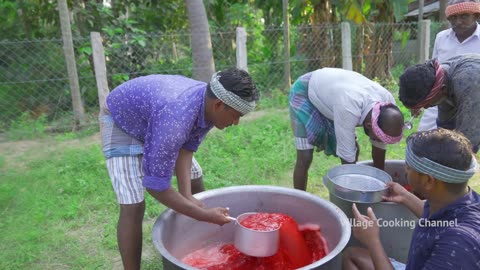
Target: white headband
[230, 98]
[438, 171]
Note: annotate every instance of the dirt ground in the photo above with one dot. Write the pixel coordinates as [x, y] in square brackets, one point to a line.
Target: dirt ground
[12, 150]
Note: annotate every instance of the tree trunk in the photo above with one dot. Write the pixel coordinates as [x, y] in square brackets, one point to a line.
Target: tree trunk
[203, 63]
[379, 63]
[442, 16]
[286, 40]
[322, 54]
[358, 45]
[78, 110]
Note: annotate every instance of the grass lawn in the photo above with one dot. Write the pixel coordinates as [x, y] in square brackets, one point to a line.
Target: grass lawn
[58, 210]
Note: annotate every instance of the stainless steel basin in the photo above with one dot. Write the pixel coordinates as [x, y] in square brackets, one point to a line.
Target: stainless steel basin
[395, 237]
[176, 235]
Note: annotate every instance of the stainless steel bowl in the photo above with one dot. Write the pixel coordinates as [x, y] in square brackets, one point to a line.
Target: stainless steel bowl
[395, 239]
[255, 243]
[357, 183]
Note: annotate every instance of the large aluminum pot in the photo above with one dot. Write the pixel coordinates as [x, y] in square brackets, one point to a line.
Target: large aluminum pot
[176, 235]
[396, 221]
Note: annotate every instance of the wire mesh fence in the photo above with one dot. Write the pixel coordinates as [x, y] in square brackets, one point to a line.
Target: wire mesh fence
[34, 83]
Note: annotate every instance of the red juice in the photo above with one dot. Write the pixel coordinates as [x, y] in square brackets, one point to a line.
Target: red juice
[299, 246]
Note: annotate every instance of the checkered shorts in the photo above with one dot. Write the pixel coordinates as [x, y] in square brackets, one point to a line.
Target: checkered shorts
[123, 156]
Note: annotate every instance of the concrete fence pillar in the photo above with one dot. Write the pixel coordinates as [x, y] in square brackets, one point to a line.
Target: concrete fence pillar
[424, 41]
[346, 46]
[100, 68]
[241, 40]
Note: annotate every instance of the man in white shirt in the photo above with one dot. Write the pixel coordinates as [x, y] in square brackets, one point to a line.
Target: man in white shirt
[462, 38]
[327, 105]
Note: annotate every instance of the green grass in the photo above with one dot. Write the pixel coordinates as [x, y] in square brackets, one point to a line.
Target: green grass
[58, 209]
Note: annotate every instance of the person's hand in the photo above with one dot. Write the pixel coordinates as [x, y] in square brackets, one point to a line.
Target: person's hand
[358, 150]
[217, 215]
[396, 193]
[365, 228]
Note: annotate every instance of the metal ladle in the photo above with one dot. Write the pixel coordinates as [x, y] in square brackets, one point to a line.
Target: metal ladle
[409, 124]
[231, 218]
[252, 242]
[255, 243]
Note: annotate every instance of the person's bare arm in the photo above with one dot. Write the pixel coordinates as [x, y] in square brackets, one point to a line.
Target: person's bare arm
[174, 200]
[378, 157]
[368, 233]
[183, 167]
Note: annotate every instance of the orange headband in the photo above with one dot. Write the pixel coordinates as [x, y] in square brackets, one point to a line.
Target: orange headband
[462, 8]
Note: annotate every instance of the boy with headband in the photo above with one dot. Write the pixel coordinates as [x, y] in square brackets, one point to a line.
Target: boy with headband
[327, 105]
[150, 128]
[439, 164]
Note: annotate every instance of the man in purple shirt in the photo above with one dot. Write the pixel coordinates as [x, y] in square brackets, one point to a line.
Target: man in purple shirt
[439, 164]
[150, 128]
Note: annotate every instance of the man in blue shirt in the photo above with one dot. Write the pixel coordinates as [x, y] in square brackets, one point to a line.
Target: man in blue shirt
[439, 164]
[150, 128]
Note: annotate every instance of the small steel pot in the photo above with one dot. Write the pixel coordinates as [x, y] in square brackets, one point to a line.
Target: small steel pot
[360, 183]
[255, 243]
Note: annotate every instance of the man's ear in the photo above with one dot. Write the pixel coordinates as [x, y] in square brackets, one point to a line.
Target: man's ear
[368, 124]
[217, 105]
[444, 89]
[430, 183]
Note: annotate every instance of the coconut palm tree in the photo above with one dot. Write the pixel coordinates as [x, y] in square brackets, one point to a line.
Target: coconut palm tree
[203, 63]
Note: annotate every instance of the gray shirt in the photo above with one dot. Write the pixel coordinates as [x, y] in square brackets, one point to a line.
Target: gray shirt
[461, 110]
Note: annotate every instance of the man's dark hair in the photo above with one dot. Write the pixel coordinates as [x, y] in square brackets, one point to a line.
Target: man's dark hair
[239, 82]
[416, 82]
[390, 118]
[446, 147]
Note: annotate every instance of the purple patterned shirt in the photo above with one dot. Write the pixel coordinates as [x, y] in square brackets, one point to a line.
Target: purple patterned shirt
[166, 113]
[456, 246]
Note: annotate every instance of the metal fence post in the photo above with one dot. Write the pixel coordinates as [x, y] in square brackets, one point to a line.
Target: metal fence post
[346, 46]
[241, 52]
[424, 41]
[100, 67]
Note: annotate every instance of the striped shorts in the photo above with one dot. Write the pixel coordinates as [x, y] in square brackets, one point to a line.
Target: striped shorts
[126, 175]
[123, 156]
